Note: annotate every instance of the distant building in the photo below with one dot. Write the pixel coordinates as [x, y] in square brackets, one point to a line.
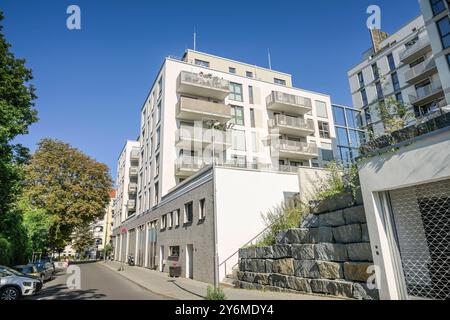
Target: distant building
[347, 122]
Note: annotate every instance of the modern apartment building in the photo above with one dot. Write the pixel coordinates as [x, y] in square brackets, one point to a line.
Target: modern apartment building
[221, 142]
[403, 67]
[348, 123]
[126, 181]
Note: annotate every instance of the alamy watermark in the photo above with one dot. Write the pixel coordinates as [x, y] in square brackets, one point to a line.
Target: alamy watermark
[73, 281]
[73, 22]
[374, 20]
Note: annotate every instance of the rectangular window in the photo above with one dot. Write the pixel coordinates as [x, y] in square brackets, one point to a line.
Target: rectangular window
[321, 109]
[327, 155]
[437, 6]
[342, 137]
[361, 80]
[237, 115]
[202, 63]
[254, 142]
[157, 165]
[160, 88]
[379, 91]
[444, 31]
[252, 118]
[235, 92]
[249, 74]
[231, 70]
[238, 140]
[177, 217]
[375, 72]
[395, 82]
[339, 116]
[169, 220]
[324, 130]
[250, 94]
[174, 251]
[158, 113]
[351, 118]
[355, 138]
[399, 97]
[364, 97]
[158, 137]
[163, 221]
[201, 209]
[279, 81]
[188, 212]
[391, 62]
[156, 194]
[367, 115]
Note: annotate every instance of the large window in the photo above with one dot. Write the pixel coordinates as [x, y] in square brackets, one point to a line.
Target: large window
[437, 6]
[279, 81]
[352, 118]
[188, 212]
[237, 115]
[379, 90]
[249, 74]
[391, 62]
[364, 97]
[321, 109]
[376, 73]
[202, 63]
[235, 92]
[231, 70]
[250, 95]
[339, 116]
[361, 80]
[324, 130]
[327, 155]
[342, 137]
[238, 140]
[252, 118]
[395, 82]
[201, 209]
[444, 31]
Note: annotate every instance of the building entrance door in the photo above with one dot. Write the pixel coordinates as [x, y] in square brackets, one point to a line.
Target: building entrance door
[421, 223]
[151, 246]
[141, 246]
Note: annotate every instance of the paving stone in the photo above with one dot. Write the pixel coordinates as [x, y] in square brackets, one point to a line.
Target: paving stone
[281, 251]
[262, 278]
[362, 292]
[310, 221]
[303, 251]
[348, 234]
[330, 252]
[278, 280]
[365, 233]
[264, 252]
[321, 234]
[332, 219]
[269, 264]
[306, 269]
[359, 251]
[333, 287]
[354, 215]
[283, 266]
[330, 270]
[299, 284]
[357, 271]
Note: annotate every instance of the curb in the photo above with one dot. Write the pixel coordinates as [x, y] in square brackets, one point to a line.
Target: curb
[138, 284]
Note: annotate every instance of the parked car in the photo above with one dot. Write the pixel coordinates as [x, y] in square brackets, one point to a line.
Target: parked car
[47, 260]
[45, 270]
[31, 270]
[14, 284]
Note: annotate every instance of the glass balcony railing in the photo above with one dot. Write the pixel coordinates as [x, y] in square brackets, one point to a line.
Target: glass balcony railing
[420, 69]
[425, 91]
[297, 146]
[285, 98]
[204, 80]
[298, 123]
[416, 47]
[132, 188]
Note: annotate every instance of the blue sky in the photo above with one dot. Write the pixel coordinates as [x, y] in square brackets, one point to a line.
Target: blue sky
[91, 83]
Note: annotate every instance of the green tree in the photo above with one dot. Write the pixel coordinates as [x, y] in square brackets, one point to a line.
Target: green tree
[83, 238]
[394, 114]
[37, 224]
[72, 188]
[17, 113]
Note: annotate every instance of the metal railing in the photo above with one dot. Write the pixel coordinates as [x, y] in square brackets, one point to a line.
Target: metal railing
[283, 120]
[134, 155]
[134, 171]
[189, 163]
[205, 80]
[132, 188]
[420, 68]
[281, 97]
[420, 44]
[297, 146]
[423, 92]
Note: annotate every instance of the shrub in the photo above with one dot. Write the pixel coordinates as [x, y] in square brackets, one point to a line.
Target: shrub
[5, 252]
[215, 294]
[333, 184]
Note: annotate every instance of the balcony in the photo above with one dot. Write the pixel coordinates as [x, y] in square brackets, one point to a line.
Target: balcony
[426, 94]
[415, 51]
[186, 137]
[134, 155]
[283, 102]
[131, 205]
[186, 166]
[132, 188]
[200, 110]
[134, 171]
[421, 71]
[297, 150]
[204, 85]
[292, 126]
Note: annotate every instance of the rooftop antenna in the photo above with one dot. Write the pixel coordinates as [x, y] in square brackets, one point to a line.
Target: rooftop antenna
[268, 57]
[195, 40]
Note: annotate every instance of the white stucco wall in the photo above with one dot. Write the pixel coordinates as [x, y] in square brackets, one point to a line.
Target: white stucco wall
[241, 197]
[426, 160]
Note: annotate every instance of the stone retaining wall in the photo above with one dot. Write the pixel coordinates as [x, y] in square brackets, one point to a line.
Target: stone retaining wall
[329, 254]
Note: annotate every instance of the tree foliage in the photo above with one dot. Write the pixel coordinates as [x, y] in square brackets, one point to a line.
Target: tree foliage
[83, 238]
[394, 114]
[72, 187]
[37, 224]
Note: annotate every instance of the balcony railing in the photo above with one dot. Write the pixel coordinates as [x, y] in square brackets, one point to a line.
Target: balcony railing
[132, 188]
[298, 123]
[187, 163]
[205, 85]
[297, 146]
[200, 110]
[284, 101]
[131, 205]
[424, 92]
[416, 47]
[420, 69]
[134, 156]
[134, 171]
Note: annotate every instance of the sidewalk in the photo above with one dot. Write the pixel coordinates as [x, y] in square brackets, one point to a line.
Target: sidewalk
[187, 289]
